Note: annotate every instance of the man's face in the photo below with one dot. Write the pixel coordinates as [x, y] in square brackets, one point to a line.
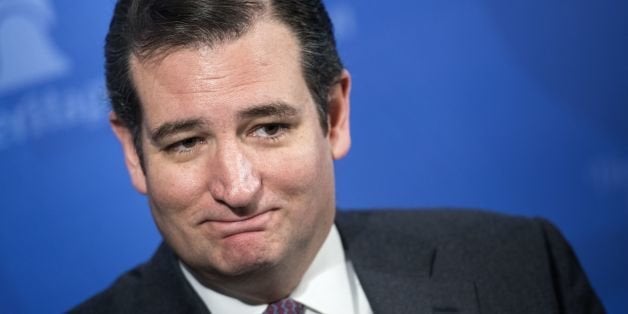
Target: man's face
[238, 172]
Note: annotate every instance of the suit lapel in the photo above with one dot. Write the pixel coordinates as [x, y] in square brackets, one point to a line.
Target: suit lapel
[388, 293]
[397, 271]
[453, 297]
[165, 288]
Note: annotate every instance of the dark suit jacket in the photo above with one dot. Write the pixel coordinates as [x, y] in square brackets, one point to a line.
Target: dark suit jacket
[410, 262]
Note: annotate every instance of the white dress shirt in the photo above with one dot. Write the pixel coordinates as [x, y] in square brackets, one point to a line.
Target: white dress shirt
[329, 286]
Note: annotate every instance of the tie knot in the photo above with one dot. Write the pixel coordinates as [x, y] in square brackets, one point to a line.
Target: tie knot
[285, 306]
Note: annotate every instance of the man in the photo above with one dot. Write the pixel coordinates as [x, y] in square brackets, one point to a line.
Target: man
[230, 114]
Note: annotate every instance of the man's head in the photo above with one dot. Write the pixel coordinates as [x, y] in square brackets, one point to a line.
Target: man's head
[238, 173]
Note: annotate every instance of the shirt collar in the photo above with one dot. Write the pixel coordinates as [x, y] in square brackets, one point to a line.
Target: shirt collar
[325, 287]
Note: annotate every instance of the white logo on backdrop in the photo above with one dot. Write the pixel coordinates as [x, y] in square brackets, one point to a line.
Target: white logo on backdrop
[29, 56]
[27, 53]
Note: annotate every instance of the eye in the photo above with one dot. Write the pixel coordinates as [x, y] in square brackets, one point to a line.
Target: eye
[271, 130]
[185, 145]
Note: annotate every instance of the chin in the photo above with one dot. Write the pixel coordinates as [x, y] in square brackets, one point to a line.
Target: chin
[248, 268]
[248, 261]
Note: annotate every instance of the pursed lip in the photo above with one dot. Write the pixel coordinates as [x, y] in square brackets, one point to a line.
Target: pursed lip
[230, 227]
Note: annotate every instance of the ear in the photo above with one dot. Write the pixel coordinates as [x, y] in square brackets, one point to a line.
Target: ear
[338, 116]
[131, 158]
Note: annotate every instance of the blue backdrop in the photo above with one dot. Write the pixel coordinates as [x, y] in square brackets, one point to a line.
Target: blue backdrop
[514, 106]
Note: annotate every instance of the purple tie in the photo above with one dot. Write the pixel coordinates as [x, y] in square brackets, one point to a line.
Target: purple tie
[285, 306]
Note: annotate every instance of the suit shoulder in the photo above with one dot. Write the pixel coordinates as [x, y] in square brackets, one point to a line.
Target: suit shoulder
[117, 298]
[477, 237]
[509, 259]
[157, 286]
[439, 223]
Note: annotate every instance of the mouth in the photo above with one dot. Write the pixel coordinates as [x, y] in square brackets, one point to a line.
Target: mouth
[231, 227]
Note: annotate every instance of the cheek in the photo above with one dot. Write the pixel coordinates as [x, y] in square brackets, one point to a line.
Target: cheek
[173, 189]
[302, 175]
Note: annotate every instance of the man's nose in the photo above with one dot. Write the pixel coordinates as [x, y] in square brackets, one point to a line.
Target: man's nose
[234, 181]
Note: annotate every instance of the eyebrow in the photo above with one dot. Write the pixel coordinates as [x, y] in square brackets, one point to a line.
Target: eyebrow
[173, 127]
[278, 108]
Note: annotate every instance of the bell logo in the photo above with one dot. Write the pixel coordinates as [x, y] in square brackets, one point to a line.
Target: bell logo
[27, 52]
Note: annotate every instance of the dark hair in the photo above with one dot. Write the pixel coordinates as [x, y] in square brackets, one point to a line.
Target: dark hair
[148, 27]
